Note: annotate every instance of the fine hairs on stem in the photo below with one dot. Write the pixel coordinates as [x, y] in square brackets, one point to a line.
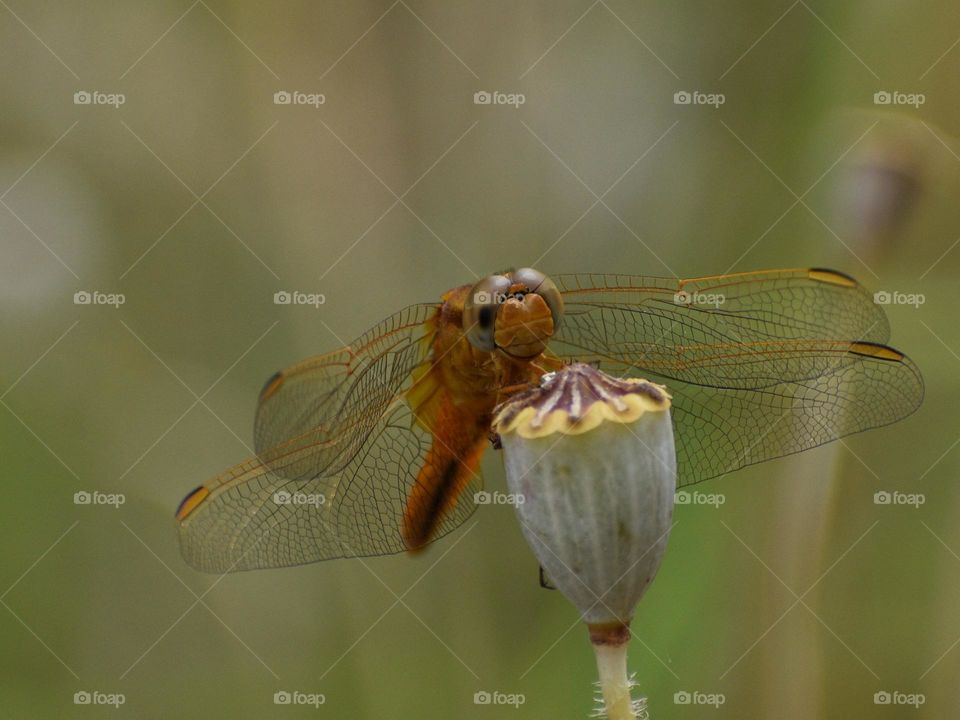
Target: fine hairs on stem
[615, 686]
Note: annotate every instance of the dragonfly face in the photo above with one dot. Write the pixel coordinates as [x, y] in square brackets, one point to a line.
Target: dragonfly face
[516, 313]
[375, 448]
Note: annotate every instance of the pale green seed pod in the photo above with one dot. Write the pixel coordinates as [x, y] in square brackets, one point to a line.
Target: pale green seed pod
[593, 458]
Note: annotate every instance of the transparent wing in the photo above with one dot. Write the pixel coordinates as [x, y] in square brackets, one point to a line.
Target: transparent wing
[257, 516]
[652, 321]
[314, 416]
[719, 430]
[337, 452]
[782, 362]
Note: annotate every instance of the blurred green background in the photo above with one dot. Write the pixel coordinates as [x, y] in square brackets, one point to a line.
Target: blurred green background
[198, 198]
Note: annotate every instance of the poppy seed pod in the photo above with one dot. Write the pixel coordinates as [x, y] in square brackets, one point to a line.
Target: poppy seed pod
[593, 458]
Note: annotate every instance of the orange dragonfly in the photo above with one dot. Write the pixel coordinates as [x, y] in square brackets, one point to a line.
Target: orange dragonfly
[375, 448]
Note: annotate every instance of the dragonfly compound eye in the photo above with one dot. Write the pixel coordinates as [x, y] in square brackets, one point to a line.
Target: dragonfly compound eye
[534, 281]
[516, 312]
[529, 316]
[480, 310]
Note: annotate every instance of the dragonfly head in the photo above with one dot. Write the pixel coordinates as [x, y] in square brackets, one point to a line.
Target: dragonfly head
[516, 312]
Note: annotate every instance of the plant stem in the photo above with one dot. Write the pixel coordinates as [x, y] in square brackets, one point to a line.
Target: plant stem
[614, 684]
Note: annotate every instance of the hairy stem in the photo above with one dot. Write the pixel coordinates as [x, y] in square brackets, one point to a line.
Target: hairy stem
[614, 684]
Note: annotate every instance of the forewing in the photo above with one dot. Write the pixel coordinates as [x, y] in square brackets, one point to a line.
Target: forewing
[654, 322]
[337, 451]
[760, 365]
[314, 416]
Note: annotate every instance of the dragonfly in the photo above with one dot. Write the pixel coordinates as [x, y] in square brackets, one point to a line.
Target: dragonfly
[375, 448]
